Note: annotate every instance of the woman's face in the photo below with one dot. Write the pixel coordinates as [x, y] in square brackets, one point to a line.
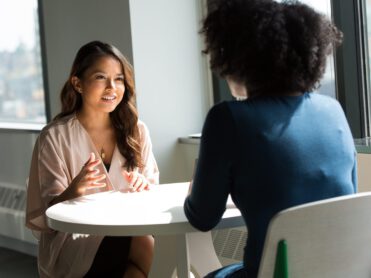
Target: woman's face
[102, 86]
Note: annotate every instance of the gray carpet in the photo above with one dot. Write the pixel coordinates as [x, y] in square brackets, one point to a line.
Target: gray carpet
[17, 265]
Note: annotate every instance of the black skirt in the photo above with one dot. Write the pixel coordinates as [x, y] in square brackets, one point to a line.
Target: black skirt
[112, 257]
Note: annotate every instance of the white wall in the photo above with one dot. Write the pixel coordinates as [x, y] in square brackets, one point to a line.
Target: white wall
[161, 39]
[170, 77]
[15, 156]
[69, 24]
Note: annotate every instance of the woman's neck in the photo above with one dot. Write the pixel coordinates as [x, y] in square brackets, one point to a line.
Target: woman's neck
[94, 121]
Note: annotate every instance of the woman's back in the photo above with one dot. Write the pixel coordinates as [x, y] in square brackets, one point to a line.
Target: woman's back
[291, 150]
[274, 153]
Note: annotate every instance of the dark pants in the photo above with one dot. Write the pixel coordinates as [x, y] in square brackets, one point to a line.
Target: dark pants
[111, 259]
[231, 271]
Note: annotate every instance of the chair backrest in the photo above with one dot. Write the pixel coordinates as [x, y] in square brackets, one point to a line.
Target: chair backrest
[328, 238]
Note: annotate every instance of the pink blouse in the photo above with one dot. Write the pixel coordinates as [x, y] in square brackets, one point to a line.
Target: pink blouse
[60, 151]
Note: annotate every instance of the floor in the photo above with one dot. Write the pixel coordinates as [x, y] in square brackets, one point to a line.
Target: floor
[17, 265]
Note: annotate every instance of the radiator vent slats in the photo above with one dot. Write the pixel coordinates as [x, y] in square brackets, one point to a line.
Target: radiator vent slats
[13, 198]
[230, 243]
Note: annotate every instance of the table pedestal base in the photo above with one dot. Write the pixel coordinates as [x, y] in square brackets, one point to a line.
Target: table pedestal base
[174, 254]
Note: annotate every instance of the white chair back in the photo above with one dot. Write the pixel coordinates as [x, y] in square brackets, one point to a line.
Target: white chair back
[329, 238]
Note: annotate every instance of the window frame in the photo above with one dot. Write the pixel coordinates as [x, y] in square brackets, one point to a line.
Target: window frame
[351, 67]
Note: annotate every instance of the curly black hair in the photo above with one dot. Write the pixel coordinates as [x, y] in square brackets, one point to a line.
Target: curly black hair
[273, 48]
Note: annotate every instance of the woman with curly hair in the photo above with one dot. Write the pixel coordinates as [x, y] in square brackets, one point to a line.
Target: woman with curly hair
[95, 144]
[282, 145]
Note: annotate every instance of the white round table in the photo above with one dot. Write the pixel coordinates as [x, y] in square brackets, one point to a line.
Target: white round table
[158, 212]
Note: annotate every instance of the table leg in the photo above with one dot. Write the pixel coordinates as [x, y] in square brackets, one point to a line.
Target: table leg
[202, 253]
[182, 257]
[165, 255]
[177, 252]
[170, 254]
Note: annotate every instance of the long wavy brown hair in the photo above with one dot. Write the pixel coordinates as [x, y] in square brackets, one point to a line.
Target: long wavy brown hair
[125, 117]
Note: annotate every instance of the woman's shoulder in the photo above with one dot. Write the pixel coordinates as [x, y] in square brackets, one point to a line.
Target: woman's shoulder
[143, 130]
[142, 126]
[56, 127]
[221, 108]
[322, 98]
[325, 103]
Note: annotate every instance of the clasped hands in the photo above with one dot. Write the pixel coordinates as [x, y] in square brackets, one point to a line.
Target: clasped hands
[89, 178]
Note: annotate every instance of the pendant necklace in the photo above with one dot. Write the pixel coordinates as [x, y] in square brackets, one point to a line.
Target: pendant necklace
[102, 153]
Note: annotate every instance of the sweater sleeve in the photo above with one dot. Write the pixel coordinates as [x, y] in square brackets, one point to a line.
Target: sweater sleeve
[206, 203]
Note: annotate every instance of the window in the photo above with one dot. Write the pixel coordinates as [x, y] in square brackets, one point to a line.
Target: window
[367, 46]
[328, 85]
[21, 80]
[351, 64]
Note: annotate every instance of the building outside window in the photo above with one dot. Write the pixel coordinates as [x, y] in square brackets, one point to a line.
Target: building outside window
[328, 86]
[21, 80]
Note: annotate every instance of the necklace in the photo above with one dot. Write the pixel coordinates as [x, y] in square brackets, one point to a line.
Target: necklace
[102, 153]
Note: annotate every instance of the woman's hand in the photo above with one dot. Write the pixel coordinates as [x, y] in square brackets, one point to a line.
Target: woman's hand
[137, 182]
[88, 178]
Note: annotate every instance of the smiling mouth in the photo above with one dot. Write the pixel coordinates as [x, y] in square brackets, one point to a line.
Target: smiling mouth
[108, 98]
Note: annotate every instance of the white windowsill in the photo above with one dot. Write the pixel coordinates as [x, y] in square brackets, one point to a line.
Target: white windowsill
[191, 139]
[21, 126]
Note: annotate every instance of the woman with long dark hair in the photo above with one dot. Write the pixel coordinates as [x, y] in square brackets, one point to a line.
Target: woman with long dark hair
[96, 143]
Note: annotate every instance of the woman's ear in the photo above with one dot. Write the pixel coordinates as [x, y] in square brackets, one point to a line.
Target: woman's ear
[237, 88]
[76, 83]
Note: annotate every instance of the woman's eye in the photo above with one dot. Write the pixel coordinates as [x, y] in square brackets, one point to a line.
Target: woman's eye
[100, 77]
[120, 79]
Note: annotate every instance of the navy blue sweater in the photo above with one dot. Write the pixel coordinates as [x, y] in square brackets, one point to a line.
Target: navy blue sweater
[270, 153]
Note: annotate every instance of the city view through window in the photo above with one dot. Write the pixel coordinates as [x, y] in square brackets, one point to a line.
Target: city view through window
[327, 84]
[21, 80]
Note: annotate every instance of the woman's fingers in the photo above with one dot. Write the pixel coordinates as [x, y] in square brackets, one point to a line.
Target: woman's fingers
[137, 182]
[94, 177]
[94, 181]
[141, 183]
[142, 186]
[90, 178]
[127, 175]
[90, 159]
[91, 164]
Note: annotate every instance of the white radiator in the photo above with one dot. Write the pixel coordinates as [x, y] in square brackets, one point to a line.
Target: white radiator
[13, 232]
[229, 244]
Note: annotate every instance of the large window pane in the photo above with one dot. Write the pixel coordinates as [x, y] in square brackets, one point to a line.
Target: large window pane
[367, 46]
[328, 81]
[21, 82]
